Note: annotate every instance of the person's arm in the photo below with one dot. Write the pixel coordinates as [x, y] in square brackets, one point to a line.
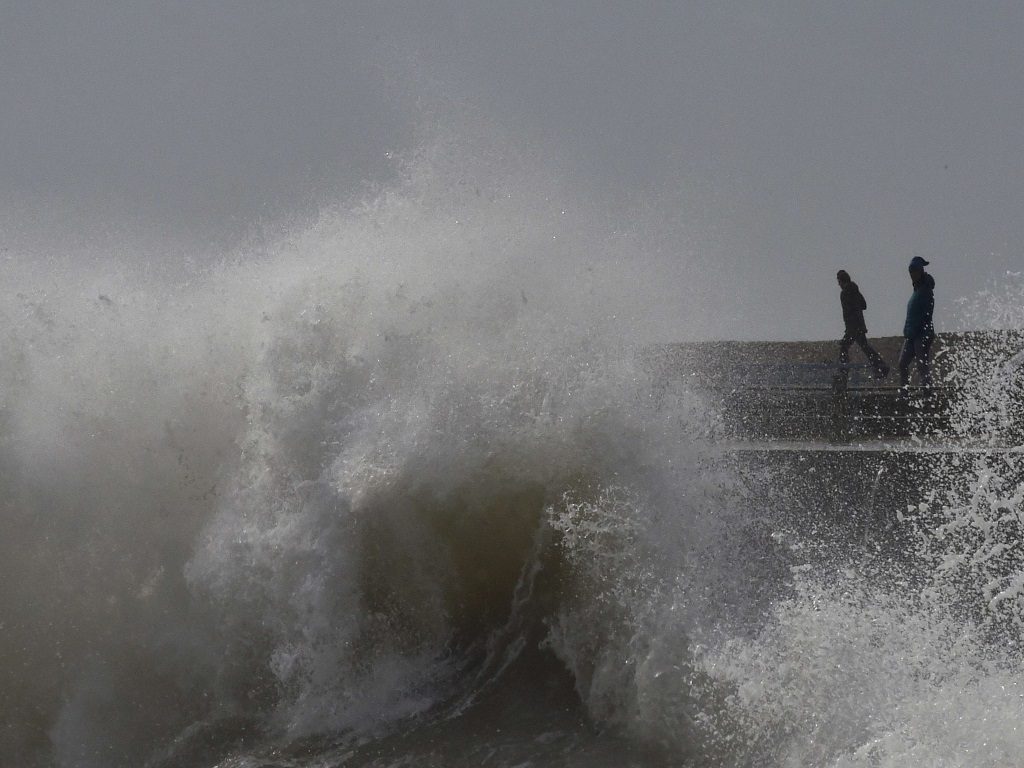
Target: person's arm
[849, 302]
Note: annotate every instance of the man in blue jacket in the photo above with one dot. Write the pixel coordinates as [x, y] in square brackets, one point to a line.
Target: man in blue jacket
[918, 331]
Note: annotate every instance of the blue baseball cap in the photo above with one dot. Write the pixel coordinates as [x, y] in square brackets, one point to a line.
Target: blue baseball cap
[917, 263]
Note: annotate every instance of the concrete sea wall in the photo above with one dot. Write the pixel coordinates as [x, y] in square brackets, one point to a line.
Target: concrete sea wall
[771, 391]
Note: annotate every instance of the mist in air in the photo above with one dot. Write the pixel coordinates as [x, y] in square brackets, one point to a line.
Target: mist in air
[343, 420]
[752, 149]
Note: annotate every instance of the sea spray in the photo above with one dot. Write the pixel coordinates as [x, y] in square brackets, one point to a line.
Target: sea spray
[291, 494]
[115, 421]
[383, 507]
[886, 659]
[852, 673]
[301, 504]
[971, 522]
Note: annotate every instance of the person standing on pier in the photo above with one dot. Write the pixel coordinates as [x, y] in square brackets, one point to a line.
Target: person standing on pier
[918, 331]
[856, 330]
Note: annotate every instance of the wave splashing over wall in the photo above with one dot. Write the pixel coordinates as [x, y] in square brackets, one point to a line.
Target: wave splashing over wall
[403, 488]
[289, 499]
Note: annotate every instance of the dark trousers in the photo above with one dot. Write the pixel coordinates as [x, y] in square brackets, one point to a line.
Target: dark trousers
[919, 348]
[861, 340]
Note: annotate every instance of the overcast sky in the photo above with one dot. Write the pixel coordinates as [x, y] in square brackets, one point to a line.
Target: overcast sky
[802, 136]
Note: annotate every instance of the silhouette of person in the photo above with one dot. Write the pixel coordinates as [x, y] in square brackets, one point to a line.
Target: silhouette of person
[918, 330]
[856, 332]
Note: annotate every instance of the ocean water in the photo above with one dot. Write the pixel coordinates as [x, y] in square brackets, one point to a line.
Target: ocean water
[401, 488]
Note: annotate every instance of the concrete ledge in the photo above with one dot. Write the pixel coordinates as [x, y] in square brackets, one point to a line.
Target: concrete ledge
[795, 390]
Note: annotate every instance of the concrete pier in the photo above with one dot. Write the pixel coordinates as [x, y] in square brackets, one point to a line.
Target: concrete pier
[796, 391]
[844, 454]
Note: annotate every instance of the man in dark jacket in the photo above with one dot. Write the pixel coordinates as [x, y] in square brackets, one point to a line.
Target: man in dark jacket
[856, 330]
[918, 331]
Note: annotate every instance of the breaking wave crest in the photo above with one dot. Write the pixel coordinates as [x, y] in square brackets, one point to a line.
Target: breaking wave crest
[316, 491]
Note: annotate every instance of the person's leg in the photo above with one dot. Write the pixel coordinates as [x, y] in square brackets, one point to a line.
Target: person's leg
[923, 353]
[844, 349]
[906, 355]
[881, 369]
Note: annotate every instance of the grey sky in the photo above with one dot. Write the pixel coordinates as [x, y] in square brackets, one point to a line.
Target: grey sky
[800, 137]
